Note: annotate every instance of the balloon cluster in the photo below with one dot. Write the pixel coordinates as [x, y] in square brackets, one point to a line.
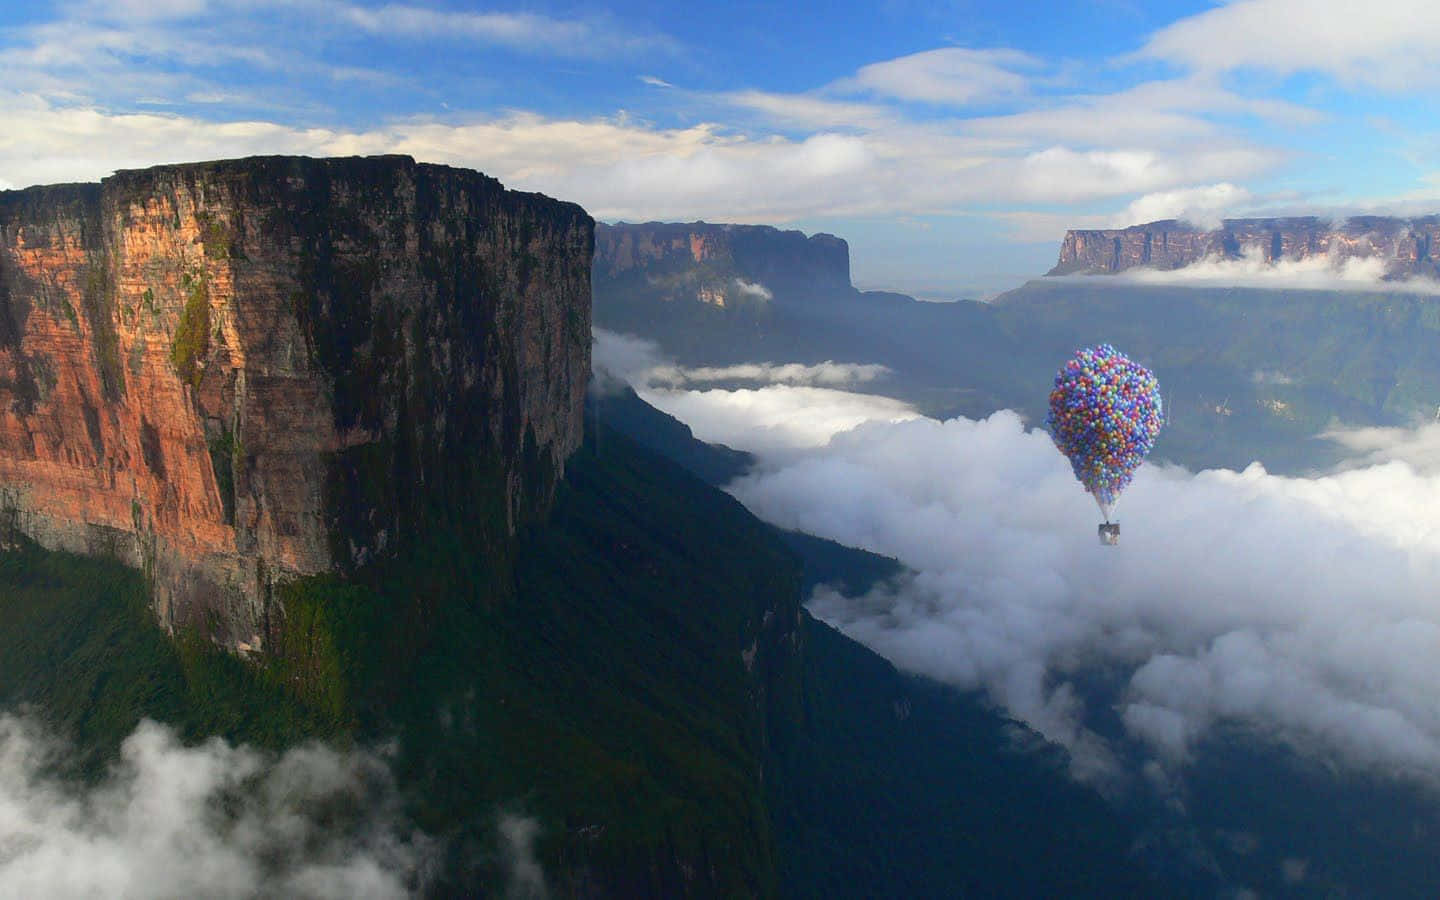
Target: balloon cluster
[1105, 412]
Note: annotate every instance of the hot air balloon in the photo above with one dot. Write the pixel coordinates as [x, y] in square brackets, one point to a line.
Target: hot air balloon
[1105, 412]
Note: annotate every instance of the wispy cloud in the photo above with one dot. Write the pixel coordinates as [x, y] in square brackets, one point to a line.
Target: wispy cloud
[1204, 206]
[797, 406]
[811, 110]
[1317, 273]
[517, 838]
[753, 289]
[1390, 44]
[211, 820]
[530, 32]
[955, 76]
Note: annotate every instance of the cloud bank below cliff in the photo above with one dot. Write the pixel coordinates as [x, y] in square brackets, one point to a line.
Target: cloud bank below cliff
[210, 820]
[1251, 270]
[1301, 609]
[792, 406]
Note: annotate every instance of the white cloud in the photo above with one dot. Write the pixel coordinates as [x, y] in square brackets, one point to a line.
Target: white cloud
[778, 418]
[1318, 273]
[811, 110]
[210, 820]
[654, 81]
[826, 373]
[1061, 174]
[1418, 448]
[1299, 608]
[753, 289]
[526, 877]
[951, 75]
[1389, 44]
[795, 410]
[519, 30]
[640, 362]
[139, 10]
[1204, 206]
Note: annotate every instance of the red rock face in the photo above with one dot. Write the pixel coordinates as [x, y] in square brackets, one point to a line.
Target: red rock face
[195, 361]
[1408, 246]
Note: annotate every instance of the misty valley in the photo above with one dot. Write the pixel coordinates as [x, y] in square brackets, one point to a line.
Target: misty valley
[791, 596]
[459, 449]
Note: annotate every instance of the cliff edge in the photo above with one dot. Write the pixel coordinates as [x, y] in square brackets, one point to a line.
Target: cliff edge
[230, 374]
[719, 264]
[1408, 247]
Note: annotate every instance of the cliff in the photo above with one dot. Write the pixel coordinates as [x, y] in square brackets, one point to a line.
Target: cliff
[1407, 246]
[720, 264]
[231, 374]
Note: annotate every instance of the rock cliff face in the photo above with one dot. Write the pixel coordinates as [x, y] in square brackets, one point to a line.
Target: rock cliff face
[234, 373]
[1407, 246]
[720, 263]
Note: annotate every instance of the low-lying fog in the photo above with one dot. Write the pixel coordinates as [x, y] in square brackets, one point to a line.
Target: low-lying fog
[1303, 609]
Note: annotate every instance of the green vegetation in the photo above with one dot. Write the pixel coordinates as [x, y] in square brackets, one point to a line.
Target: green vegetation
[226, 455]
[99, 300]
[588, 674]
[70, 315]
[192, 335]
[137, 356]
[78, 643]
[634, 673]
[216, 239]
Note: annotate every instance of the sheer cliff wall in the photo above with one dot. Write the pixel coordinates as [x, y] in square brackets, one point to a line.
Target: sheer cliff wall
[229, 374]
[1407, 247]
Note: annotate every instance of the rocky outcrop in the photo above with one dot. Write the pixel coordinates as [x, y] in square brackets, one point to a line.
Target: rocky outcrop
[1408, 246]
[234, 373]
[713, 263]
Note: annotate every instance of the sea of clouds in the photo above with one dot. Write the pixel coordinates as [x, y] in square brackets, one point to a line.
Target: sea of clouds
[1252, 270]
[1301, 609]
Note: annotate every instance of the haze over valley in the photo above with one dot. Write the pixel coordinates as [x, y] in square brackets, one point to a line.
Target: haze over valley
[606, 451]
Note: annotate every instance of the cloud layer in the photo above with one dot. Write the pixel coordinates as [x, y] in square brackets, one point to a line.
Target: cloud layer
[1390, 45]
[205, 821]
[1317, 273]
[793, 407]
[1300, 609]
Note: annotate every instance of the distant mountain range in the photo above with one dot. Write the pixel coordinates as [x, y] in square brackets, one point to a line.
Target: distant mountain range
[1248, 373]
[1408, 247]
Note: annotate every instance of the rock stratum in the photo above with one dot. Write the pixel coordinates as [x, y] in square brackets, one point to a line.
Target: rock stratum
[719, 265]
[1407, 247]
[231, 374]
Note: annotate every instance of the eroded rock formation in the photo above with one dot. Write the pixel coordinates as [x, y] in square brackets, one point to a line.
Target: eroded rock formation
[713, 263]
[1407, 246]
[233, 373]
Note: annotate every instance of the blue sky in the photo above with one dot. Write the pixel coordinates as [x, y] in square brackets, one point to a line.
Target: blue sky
[951, 142]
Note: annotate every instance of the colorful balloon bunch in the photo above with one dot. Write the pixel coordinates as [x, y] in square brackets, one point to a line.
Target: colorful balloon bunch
[1105, 412]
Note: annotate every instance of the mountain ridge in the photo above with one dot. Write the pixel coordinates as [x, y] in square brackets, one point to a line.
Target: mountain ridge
[1406, 246]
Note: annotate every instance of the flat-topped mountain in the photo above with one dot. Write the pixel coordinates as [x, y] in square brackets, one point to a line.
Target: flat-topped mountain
[229, 374]
[720, 263]
[1407, 246]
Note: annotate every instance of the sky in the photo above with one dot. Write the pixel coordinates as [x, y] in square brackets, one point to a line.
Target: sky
[1297, 611]
[952, 143]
